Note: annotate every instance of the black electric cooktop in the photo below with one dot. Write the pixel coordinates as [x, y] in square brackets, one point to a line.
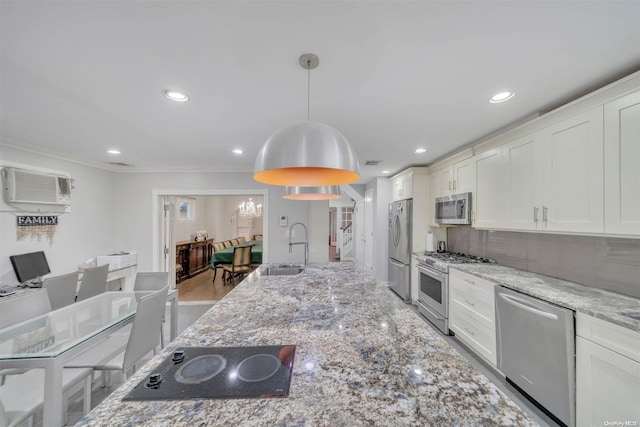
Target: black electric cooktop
[219, 373]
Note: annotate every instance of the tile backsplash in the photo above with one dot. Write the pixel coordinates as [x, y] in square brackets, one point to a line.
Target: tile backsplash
[606, 263]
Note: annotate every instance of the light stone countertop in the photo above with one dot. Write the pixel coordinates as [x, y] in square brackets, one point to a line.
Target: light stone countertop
[363, 358]
[598, 303]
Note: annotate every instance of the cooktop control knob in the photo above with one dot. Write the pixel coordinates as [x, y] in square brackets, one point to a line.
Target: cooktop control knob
[154, 381]
[178, 356]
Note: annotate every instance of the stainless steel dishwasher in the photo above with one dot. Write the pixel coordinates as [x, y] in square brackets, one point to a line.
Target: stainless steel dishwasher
[536, 350]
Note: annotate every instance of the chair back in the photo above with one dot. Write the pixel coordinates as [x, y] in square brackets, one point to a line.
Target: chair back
[94, 282]
[144, 335]
[227, 243]
[241, 257]
[61, 289]
[241, 239]
[234, 242]
[218, 246]
[152, 281]
[257, 237]
[23, 307]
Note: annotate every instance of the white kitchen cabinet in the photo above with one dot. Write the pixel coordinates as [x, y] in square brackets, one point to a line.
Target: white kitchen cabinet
[622, 165]
[607, 373]
[472, 313]
[454, 178]
[573, 174]
[442, 182]
[488, 203]
[524, 183]
[415, 279]
[402, 185]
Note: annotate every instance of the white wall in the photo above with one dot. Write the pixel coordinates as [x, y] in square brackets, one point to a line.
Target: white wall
[87, 231]
[135, 192]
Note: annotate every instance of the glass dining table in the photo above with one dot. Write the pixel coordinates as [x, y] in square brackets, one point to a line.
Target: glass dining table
[51, 340]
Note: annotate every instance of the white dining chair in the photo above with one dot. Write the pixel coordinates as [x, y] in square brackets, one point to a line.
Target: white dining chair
[152, 281]
[18, 309]
[61, 289]
[140, 342]
[94, 282]
[22, 396]
[23, 307]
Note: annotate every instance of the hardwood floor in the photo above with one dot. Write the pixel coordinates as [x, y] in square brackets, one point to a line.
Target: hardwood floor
[200, 288]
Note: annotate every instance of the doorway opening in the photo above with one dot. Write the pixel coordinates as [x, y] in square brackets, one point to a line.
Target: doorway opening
[186, 225]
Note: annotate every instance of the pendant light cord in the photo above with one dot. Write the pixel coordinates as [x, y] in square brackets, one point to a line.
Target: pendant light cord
[308, 92]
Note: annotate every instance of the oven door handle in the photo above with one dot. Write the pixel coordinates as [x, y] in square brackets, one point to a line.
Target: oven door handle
[430, 272]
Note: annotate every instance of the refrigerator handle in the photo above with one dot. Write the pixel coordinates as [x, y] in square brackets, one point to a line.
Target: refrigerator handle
[396, 263]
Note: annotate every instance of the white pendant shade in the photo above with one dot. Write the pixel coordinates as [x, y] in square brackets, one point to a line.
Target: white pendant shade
[312, 193]
[307, 154]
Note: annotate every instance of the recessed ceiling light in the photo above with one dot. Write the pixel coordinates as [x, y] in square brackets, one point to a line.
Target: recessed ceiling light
[113, 151]
[176, 96]
[420, 150]
[501, 97]
[238, 151]
[386, 171]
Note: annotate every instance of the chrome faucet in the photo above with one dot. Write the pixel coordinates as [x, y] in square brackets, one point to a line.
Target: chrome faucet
[304, 242]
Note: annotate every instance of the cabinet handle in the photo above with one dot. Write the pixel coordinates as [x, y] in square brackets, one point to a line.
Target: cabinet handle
[469, 332]
[544, 214]
[470, 281]
[535, 214]
[469, 302]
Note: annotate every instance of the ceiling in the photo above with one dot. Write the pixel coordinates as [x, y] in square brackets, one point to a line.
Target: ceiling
[80, 77]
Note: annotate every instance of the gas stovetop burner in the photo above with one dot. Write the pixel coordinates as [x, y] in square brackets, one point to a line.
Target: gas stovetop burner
[441, 260]
[219, 373]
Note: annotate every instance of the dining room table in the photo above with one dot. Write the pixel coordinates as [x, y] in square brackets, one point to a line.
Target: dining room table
[50, 340]
[225, 256]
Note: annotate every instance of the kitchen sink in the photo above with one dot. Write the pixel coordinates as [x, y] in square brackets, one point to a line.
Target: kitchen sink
[282, 270]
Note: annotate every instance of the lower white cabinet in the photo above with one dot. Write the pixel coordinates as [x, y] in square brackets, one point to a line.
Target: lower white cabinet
[472, 313]
[607, 373]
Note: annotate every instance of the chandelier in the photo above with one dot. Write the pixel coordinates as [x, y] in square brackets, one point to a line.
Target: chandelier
[250, 208]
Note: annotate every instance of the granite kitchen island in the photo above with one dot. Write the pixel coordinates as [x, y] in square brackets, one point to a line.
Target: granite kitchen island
[363, 358]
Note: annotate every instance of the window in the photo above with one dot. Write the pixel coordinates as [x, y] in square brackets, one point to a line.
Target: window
[185, 209]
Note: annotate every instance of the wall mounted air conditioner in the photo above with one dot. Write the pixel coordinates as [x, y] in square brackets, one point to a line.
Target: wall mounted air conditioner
[36, 191]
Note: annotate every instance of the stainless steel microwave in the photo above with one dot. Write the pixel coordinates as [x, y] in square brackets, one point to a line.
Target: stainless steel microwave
[454, 209]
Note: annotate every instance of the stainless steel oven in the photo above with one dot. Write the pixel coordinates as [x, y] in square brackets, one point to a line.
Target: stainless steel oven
[433, 296]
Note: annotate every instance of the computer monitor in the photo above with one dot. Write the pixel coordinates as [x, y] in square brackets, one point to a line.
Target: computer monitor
[30, 266]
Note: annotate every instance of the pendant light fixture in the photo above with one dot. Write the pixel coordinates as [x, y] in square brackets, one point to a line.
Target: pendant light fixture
[312, 193]
[307, 154]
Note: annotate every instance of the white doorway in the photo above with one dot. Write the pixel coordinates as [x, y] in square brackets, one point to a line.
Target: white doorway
[368, 230]
[164, 223]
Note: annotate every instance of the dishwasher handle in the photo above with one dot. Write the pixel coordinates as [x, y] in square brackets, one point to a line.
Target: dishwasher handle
[522, 304]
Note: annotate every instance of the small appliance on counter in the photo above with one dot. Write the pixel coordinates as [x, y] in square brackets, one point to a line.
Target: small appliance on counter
[219, 373]
[442, 247]
[118, 260]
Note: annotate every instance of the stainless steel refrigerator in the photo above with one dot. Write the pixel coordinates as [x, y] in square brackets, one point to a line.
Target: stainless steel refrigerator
[400, 218]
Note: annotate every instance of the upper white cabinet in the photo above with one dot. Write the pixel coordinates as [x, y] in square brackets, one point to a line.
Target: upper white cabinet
[622, 165]
[454, 178]
[522, 159]
[488, 201]
[402, 185]
[550, 180]
[571, 158]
